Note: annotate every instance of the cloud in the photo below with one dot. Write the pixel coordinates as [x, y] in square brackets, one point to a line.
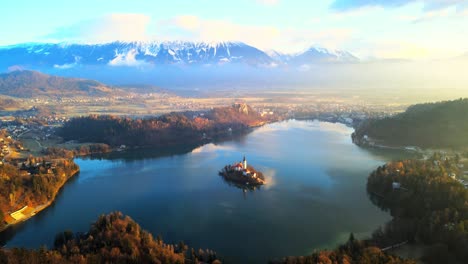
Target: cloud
[270, 178]
[113, 27]
[397, 50]
[198, 29]
[68, 65]
[136, 27]
[126, 59]
[345, 5]
[434, 14]
[268, 2]
[15, 68]
[193, 28]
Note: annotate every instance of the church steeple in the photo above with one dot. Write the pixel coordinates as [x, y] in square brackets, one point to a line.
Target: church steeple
[244, 163]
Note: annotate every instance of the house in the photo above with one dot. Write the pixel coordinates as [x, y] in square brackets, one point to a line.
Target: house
[238, 167]
[453, 175]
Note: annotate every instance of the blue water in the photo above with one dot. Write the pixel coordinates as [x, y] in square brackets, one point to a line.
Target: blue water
[315, 195]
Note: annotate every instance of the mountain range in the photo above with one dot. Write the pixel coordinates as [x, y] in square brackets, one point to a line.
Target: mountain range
[64, 56]
[201, 66]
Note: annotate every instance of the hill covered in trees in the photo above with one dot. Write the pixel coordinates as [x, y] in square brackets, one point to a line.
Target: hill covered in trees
[443, 124]
[32, 183]
[113, 238]
[30, 84]
[170, 129]
[428, 206]
[353, 251]
[116, 238]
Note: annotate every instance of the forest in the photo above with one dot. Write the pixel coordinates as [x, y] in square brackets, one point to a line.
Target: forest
[353, 251]
[82, 150]
[437, 125]
[31, 183]
[166, 130]
[428, 206]
[113, 238]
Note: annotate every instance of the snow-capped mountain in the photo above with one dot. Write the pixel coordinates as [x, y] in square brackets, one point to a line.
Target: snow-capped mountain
[65, 56]
[132, 53]
[313, 55]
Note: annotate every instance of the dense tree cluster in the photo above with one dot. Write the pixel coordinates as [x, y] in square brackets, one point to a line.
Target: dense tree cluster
[83, 150]
[32, 182]
[441, 124]
[427, 205]
[354, 251]
[169, 129]
[113, 238]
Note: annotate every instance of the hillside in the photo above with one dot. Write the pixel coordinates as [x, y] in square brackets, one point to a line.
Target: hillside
[8, 103]
[32, 84]
[427, 205]
[113, 238]
[186, 128]
[353, 251]
[436, 125]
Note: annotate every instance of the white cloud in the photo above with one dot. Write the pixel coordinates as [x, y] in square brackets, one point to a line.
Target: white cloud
[268, 2]
[332, 31]
[64, 66]
[406, 49]
[126, 59]
[136, 27]
[428, 5]
[433, 14]
[68, 65]
[193, 28]
[122, 27]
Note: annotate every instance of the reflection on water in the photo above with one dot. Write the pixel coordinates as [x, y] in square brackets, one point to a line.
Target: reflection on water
[315, 193]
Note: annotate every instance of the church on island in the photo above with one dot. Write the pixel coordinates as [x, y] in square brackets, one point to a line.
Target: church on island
[242, 167]
[242, 174]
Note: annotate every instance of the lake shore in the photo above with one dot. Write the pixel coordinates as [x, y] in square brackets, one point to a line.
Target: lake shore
[38, 208]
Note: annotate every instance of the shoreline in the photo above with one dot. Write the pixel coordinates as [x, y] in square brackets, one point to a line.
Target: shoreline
[202, 142]
[41, 207]
[193, 145]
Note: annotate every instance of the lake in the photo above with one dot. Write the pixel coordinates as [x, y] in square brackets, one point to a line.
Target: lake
[314, 198]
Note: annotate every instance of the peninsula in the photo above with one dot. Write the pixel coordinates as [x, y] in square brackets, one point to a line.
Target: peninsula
[242, 174]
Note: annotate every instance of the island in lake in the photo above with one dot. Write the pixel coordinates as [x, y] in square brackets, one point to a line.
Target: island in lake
[242, 174]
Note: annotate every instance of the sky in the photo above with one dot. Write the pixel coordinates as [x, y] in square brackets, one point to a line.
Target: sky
[370, 29]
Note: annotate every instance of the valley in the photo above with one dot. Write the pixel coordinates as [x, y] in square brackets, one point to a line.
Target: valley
[256, 131]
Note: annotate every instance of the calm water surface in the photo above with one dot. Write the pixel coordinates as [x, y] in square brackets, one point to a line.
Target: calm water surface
[314, 198]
